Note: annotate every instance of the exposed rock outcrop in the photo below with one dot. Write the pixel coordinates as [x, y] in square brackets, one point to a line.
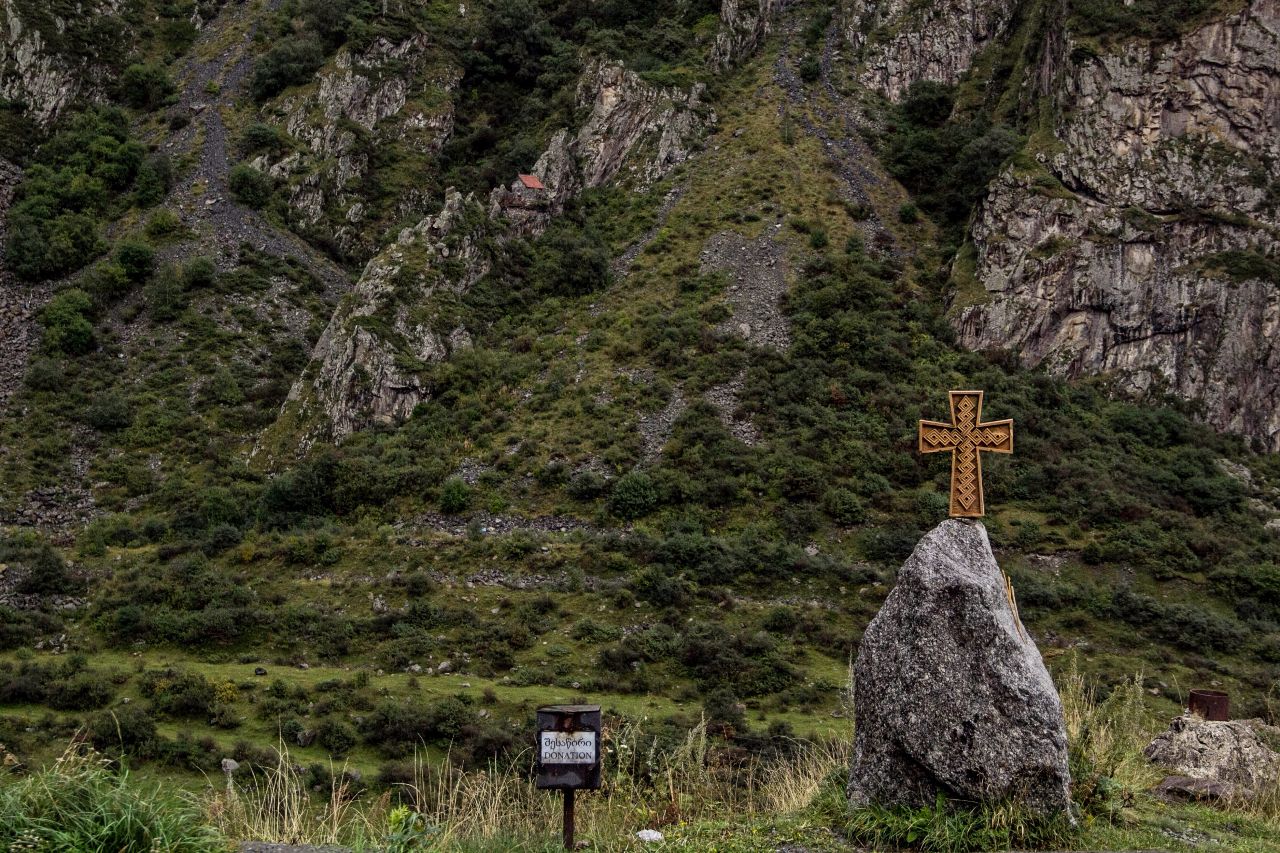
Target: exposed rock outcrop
[952, 696]
[389, 93]
[45, 79]
[1233, 756]
[1142, 242]
[365, 368]
[742, 28]
[903, 41]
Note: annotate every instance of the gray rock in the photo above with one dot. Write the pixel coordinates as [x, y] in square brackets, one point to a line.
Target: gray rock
[952, 696]
[1188, 788]
[1232, 752]
[1106, 275]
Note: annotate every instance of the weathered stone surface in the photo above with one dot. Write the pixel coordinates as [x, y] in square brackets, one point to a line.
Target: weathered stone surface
[41, 77]
[903, 41]
[1188, 788]
[742, 28]
[1101, 259]
[1234, 752]
[951, 695]
[392, 91]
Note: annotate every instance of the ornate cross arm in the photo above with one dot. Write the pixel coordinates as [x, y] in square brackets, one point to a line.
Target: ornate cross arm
[966, 436]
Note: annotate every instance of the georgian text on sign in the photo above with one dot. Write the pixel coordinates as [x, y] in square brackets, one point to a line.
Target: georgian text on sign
[568, 748]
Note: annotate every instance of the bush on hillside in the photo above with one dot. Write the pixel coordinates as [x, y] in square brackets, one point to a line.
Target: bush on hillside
[289, 62]
[145, 86]
[80, 176]
[633, 495]
[136, 258]
[249, 186]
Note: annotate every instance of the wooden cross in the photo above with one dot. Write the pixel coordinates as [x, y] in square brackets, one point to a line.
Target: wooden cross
[966, 436]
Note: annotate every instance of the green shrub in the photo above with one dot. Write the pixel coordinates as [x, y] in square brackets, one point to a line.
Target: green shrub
[80, 176]
[128, 728]
[843, 506]
[810, 68]
[44, 374]
[289, 62]
[83, 691]
[145, 86]
[162, 223]
[109, 412]
[155, 176]
[199, 273]
[262, 137]
[67, 324]
[165, 296]
[633, 495]
[569, 259]
[136, 258]
[249, 186]
[107, 281]
[336, 737]
[455, 496]
[178, 693]
[908, 214]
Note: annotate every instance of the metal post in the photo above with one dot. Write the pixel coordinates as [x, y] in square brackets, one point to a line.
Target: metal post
[568, 818]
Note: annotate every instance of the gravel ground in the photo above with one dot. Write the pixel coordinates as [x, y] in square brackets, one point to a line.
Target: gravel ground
[757, 272]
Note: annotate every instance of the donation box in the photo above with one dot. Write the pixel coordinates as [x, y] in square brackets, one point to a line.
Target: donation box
[569, 747]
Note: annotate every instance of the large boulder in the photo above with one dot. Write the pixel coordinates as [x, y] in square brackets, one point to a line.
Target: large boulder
[1235, 756]
[951, 695]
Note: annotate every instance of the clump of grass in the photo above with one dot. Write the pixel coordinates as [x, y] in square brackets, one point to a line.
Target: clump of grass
[82, 803]
[948, 827]
[1106, 738]
[643, 786]
[276, 806]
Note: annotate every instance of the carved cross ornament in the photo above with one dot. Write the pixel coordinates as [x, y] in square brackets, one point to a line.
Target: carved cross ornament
[966, 437]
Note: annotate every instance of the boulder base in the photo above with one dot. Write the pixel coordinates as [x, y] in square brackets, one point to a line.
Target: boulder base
[951, 695]
[1234, 755]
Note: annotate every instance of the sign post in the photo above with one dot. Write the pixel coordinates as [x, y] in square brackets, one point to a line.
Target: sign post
[569, 754]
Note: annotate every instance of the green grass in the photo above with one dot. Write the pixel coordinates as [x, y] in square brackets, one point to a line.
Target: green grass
[81, 804]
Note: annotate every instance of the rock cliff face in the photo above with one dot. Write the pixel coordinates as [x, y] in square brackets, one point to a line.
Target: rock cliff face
[902, 41]
[389, 93]
[742, 28]
[35, 72]
[1141, 243]
[364, 370]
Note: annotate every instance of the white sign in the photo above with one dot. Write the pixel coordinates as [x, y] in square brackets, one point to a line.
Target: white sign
[568, 748]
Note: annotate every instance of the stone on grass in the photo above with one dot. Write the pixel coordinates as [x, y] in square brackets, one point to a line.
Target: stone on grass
[649, 835]
[951, 695]
[1233, 753]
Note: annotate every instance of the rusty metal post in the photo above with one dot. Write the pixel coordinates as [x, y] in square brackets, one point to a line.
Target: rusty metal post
[1210, 704]
[568, 818]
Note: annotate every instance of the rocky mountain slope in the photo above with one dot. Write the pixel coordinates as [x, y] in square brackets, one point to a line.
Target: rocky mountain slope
[536, 349]
[1137, 238]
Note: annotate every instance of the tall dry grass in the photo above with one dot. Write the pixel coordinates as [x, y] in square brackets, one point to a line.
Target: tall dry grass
[1107, 736]
[275, 805]
[643, 786]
